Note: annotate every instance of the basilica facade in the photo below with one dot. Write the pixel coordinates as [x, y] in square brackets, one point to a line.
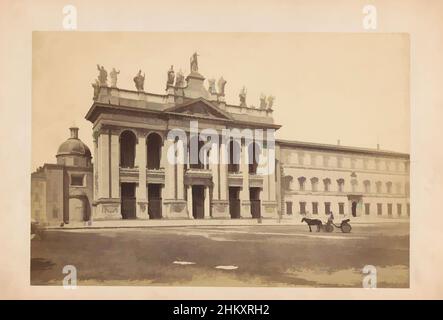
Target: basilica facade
[188, 154]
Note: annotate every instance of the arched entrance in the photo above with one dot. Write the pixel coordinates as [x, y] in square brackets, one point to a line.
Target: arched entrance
[154, 147]
[127, 149]
[253, 157]
[128, 201]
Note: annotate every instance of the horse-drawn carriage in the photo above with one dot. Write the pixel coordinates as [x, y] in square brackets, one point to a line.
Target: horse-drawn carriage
[344, 226]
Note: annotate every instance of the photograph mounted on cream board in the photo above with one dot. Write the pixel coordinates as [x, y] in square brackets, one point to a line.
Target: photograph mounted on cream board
[220, 159]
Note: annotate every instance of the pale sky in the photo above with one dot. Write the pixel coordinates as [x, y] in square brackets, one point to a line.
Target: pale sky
[328, 86]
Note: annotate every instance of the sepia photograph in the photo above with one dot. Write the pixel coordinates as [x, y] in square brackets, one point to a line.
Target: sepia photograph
[220, 159]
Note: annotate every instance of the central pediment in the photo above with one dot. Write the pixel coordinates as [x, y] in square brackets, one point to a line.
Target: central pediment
[200, 108]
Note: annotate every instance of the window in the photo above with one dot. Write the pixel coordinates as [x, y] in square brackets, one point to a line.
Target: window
[302, 207]
[389, 209]
[389, 187]
[367, 185]
[313, 160]
[353, 162]
[327, 207]
[339, 162]
[398, 188]
[327, 183]
[301, 183]
[55, 213]
[354, 185]
[378, 186]
[407, 189]
[408, 209]
[301, 158]
[367, 209]
[289, 207]
[365, 164]
[315, 208]
[314, 184]
[341, 183]
[77, 180]
[399, 209]
[341, 208]
[379, 209]
[325, 161]
[287, 182]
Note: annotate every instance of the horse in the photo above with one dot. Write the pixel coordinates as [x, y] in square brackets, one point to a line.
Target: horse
[313, 222]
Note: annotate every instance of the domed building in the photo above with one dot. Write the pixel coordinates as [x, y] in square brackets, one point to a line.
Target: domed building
[63, 192]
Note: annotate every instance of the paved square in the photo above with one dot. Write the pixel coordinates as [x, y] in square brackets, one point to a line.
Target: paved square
[224, 256]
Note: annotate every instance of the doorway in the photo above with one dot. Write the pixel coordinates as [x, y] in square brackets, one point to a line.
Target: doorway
[354, 208]
[234, 202]
[76, 210]
[198, 202]
[154, 201]
[254, 196]
[128, 201]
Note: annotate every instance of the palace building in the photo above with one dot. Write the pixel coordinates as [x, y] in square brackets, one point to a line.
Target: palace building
[143, 170]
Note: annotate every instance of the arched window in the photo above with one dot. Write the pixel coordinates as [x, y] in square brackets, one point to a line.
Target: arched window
[341, 185]
[301, 183]
[389, 187]
[154, 147]
[127, 149]
[253, 157]
[398, 187]
[367, 186]
[314, 184]
[234, 156]
[327, 183]
[287, 183]
[378, 186]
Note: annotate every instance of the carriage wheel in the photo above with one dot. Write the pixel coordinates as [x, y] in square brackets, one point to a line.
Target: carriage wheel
[329, 228]
[346, 228]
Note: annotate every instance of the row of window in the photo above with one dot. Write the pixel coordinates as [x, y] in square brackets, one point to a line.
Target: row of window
[341, 208]
[353, 163]
[326, 185]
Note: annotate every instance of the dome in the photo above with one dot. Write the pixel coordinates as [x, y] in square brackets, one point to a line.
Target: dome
[74, 146]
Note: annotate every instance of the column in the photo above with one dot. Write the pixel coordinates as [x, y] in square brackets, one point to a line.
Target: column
[189, 202]
[223, 169]
[115, 164]
[103, 165]
[180, 170]
[214, 167]
[169, 172]
[272, 172]
[140, 162]
[244, 192]
[95, 180]
[95, 167]
[207, 203]
[164, 208]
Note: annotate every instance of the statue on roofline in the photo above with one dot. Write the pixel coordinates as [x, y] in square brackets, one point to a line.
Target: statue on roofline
[270, 102]
[114, 73]
[263, 103]
[102, 76]
[96, 86]
[221, 86]
[171, 76]
[139, 81]
[179, 79]
[242, 96]
[194, 62]
[211, 88]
